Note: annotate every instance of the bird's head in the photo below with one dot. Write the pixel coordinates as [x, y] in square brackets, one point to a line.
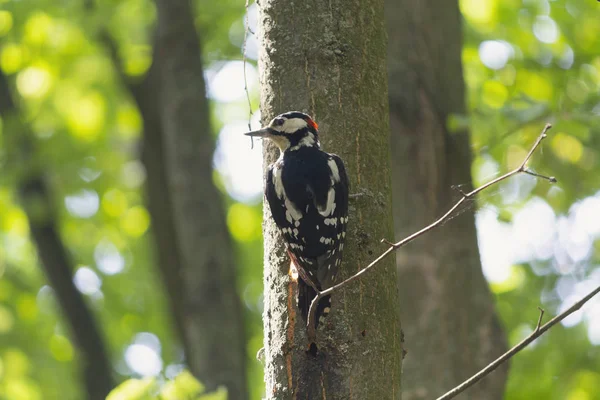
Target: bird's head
[290, 131]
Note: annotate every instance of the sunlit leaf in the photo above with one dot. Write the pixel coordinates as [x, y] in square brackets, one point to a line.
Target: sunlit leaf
[86, 117]
[515, 279]
[114, 202]
[6, 22]
[61, 348]
[136, 221]
[7, 320]
[27, 308]
[243, 222]
[38, 28]
[133, 389]
[34, 82]
[567, 147]
[184, 386]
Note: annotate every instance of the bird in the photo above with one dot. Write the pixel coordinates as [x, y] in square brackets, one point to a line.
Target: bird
[307, 192]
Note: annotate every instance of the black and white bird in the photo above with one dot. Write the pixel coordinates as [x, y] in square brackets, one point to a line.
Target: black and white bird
[307, 192]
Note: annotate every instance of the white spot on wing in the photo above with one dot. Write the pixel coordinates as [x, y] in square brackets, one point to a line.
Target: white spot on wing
[277, 181]
[335, 173]
[330, 205]
[291, 211]
[296, 246]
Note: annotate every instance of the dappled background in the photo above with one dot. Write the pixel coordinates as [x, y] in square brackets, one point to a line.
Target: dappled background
[525, 62]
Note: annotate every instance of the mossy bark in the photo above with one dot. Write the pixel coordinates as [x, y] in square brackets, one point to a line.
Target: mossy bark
[328, 59]
[450, 324]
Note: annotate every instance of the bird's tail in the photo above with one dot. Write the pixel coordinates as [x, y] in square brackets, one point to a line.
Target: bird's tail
[306, 294]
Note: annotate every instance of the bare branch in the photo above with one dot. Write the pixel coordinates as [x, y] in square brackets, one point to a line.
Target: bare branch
[539, 331]
[395, 246]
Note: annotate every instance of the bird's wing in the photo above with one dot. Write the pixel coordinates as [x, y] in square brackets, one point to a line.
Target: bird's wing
[276, 205]
[334, 225]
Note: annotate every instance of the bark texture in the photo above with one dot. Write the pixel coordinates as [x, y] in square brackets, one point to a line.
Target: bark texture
[328, 59]
[212, 321]
[159, 201]
[448, 315]
[36, 200]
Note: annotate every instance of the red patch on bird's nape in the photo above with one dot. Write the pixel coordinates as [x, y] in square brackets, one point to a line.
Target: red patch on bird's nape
[312, 123]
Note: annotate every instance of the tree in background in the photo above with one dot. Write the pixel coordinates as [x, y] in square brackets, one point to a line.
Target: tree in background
[37, 201]
[212, 320]
[193, 243]
[337, 74]
[450, 325]
[524, 63]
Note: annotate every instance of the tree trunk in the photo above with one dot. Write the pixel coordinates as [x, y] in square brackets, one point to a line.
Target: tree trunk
[328, 59]
[450, 325]
[159, 203]
[213, 322]
[36, 200]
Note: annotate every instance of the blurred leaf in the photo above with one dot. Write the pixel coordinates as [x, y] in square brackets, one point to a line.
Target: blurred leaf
[184, 386]
[133, 389]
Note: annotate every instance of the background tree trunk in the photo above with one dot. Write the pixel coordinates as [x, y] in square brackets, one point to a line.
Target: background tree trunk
[159, 203]
[328, 59]
[213, 322]
[448, 315]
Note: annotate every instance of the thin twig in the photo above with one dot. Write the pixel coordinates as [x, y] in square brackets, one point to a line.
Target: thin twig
[551, 179]
[539, 323]
[506, 356]
[395, 246]
[246, 30]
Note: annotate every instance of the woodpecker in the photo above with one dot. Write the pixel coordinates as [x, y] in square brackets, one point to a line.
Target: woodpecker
[307, 192]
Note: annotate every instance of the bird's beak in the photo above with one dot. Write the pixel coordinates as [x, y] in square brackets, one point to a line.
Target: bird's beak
[264, 132]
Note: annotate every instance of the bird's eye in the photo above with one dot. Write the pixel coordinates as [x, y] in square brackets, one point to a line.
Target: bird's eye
[278, 121]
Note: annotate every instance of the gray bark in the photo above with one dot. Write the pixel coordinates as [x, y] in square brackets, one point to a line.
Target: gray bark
[448, 315]
[213, 320]
[328, 59]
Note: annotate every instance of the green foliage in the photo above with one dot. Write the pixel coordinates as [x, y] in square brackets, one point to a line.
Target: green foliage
[542, 66]
[87, 133]
[183, 387]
